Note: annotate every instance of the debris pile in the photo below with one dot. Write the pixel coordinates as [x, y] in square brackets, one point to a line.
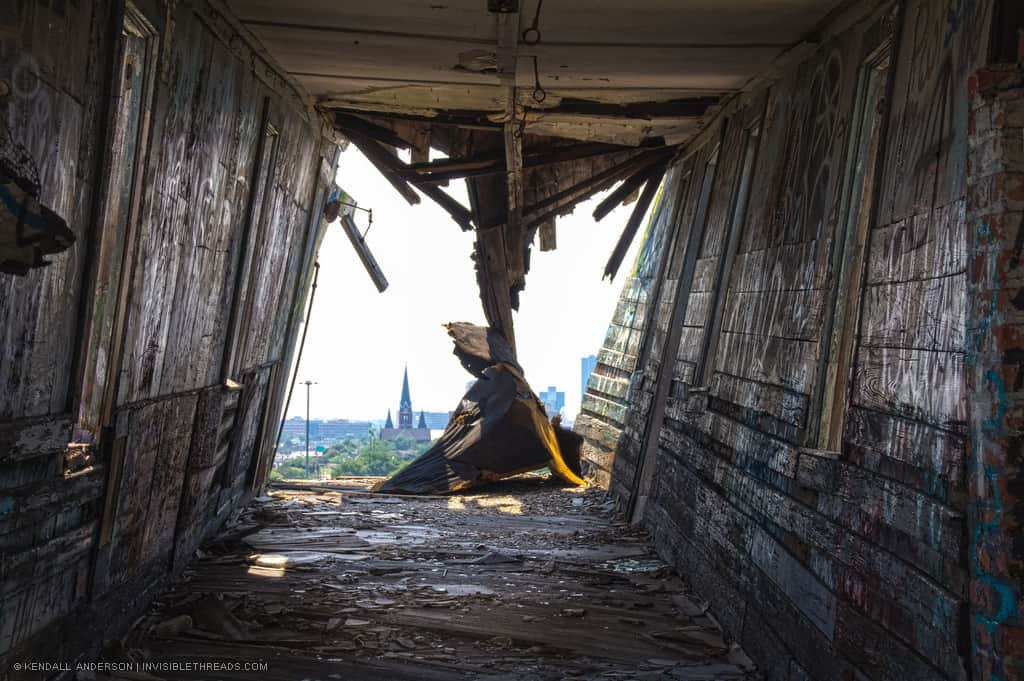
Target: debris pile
[530, 582]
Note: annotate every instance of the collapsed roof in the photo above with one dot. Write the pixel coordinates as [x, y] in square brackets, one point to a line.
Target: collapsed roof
[537, 105]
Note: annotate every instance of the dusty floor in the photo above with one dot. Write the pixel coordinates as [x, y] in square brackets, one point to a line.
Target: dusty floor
[523, 580]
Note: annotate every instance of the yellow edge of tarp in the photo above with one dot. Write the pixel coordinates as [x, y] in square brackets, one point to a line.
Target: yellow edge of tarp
[547, 431]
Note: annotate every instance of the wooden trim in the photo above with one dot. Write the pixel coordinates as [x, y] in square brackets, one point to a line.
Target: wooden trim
[235, 325]
[737, 217]
[129, 259]
[652, 427]
[654, 177]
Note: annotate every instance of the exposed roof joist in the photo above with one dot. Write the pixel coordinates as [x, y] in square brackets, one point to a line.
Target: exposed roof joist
[534, 125]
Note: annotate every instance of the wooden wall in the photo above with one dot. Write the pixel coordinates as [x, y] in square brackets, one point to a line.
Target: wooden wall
[88, 530]
[824, 563]
[604, 406]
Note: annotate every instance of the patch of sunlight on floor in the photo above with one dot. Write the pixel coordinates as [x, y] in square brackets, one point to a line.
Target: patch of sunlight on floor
[505, 504]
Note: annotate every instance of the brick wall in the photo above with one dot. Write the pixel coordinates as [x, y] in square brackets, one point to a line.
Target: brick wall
[995, 348]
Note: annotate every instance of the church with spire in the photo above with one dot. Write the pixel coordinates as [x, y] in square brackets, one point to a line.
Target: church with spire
[405, 429]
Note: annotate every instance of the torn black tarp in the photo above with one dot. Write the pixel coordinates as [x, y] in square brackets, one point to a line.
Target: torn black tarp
[499, 429]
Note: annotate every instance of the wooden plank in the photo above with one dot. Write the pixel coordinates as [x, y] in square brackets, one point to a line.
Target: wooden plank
[932, 460]
[925, 385]
[654, 177]
[932, 244]
[388, 165]
[786, 405]
[620, 194]
[778, 361]
[44, 436]
[923, 315]
[941, 47]
[348, 123]
[787, 314]
[459, 213]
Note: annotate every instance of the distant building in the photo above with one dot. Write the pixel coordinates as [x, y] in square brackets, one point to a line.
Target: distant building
[342, 429]
[296, 427]
[437, 420]
[332, 430]
[553, 399]
[587, 366]
[421, 433]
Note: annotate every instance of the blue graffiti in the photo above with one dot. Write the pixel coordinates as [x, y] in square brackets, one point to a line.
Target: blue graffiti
[976, 335]
[1006, 591]
[6, 506]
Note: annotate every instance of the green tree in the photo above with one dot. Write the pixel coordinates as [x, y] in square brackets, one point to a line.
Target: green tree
[377, 457]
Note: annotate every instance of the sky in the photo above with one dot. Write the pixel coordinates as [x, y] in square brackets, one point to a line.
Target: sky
[359, 340]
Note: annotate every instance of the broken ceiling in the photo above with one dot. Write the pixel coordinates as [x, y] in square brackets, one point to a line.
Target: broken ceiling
[538, 105]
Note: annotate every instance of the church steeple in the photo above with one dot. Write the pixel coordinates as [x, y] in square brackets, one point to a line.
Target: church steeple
[406, 400]
[423, 421]
[389, 423]
[405, 406]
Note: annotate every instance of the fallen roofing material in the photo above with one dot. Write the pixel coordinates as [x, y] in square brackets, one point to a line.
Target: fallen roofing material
[526, 583]
[499, 429]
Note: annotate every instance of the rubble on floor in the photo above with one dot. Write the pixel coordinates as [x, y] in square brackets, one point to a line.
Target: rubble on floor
[528, 581]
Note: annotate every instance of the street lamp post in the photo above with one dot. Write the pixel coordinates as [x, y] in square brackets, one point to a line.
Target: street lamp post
[308, 384]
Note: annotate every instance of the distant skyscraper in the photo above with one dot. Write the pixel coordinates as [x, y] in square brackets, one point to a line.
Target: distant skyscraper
[587, 366]
[553, 399]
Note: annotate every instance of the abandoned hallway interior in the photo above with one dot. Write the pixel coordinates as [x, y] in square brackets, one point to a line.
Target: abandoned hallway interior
[524, 581]
[809, 397]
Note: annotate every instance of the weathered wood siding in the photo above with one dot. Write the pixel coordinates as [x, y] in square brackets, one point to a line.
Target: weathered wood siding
[603, 410]
[823, 564]
[86, 531]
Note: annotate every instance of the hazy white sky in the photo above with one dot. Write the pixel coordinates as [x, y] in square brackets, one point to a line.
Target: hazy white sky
[360, 340]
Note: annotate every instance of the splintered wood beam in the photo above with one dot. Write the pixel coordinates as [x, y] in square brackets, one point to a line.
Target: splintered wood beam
[421, 144]
[493, 281]
[490, 163]
[387, 164]
[348, 123]
[633, 224]
[563, 200]
[507, 26]
[467, 120]
[455, 168]
[547, 235]
[629, 186]
[459, 213]
[514, 243]
[692, 107]
[391, 167]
